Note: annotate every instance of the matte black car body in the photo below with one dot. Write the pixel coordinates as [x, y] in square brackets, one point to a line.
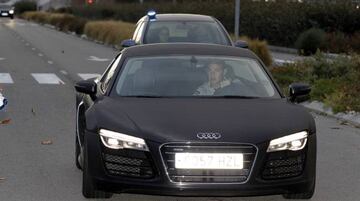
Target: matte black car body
[7, 11]
[167, 123]
[142, 25]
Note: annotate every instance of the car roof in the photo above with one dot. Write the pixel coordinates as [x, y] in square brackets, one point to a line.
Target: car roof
[182, 17]
[161, 49]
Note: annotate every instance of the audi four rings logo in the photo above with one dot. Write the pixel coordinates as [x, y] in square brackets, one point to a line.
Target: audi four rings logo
[208, 136]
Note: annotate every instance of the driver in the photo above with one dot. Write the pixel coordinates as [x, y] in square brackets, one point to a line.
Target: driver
[216, 79]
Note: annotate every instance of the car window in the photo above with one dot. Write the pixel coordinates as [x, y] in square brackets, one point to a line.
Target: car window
[105, 80]
[193, 76]
[194, 32]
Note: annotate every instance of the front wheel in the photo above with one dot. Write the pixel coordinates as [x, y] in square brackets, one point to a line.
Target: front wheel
[88, 187]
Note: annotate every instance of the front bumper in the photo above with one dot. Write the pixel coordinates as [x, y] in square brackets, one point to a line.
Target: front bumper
[160, 184]
[6, 14]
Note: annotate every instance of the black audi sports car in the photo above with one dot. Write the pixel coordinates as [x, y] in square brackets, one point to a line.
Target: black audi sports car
[193, 120]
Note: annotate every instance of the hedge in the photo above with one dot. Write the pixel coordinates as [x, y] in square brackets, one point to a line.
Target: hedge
[109, 32]
[64, 22]
[260, 48]
[280, 22]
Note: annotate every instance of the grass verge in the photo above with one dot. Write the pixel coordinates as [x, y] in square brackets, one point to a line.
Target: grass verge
[335, 82]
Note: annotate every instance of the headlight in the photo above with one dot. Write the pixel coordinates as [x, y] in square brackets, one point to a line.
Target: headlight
[294, 142]
[114, 140]
[11, 11]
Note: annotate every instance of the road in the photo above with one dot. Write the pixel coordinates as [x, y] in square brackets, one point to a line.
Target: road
[38, 67]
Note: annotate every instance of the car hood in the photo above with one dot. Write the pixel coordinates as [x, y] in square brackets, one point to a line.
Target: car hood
[174, 120]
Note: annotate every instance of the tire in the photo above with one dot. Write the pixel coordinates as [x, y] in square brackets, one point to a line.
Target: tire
[302, 196]
[88, 187]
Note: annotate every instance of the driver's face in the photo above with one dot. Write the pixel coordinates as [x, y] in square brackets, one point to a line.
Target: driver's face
[216, 74]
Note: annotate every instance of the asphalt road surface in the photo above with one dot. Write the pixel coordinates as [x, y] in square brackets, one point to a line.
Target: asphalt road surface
[38, 67]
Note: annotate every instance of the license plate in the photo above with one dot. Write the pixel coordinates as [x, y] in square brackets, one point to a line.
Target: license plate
[4, 14]
[209, 161]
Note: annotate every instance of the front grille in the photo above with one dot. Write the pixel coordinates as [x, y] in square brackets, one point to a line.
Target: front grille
[128, 163]
[207, 175]
[284, 165]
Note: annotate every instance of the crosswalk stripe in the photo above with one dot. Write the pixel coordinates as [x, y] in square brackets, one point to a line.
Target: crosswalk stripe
[47, 78]
[5, 78]
[86, 76]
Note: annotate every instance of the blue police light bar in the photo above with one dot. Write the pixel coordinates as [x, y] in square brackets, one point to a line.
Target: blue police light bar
[152, 15]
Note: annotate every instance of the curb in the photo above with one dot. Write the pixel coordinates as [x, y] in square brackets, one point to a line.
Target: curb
[319, 107]
[283, 49]
[293, 51]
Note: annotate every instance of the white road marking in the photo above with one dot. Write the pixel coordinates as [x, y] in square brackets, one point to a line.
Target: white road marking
[50, 62]
[94, 58]
[86, 76]
[63, 72]
[5, 78]
[40, 55]
[47, 78]
[33, 49]
[27, 44]
[1, 59]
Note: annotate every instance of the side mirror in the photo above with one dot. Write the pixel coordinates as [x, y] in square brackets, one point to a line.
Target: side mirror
[128, 43]
[241, 44]
[86, 87]
[299, 92]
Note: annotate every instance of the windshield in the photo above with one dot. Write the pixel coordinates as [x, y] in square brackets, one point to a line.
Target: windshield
[194, 76]
[4, 6]
[193, 32]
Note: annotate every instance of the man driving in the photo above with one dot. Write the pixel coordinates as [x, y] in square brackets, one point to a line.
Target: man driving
[216, 79]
